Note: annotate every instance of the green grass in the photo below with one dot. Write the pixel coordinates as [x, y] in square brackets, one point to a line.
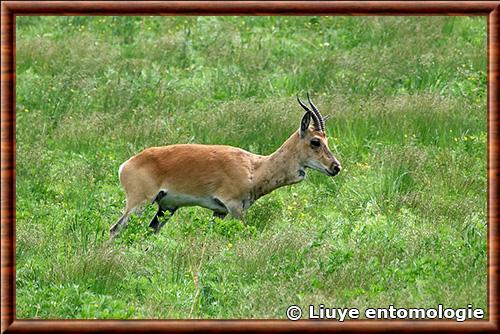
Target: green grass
[403, 224]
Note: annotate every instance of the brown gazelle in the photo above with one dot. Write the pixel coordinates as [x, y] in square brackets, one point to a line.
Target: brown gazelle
[223, 179]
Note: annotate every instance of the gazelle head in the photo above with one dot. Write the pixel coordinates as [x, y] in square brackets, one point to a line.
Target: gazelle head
[314, 144]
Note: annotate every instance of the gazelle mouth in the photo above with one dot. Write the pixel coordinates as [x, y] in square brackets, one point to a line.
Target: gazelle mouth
[323, 169]
[329, 172]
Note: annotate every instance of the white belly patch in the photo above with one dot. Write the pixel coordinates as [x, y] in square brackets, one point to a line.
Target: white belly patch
[177, 200]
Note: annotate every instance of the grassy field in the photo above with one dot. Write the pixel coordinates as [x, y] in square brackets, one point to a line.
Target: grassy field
[403, 224]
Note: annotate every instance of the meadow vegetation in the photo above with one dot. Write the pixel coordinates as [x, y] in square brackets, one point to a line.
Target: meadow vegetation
[404, 223]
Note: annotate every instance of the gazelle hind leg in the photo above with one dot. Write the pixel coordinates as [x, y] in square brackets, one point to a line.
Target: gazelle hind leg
[154, 224]
[155, 221]
[121, 223]
[171, 213]
[132, 205]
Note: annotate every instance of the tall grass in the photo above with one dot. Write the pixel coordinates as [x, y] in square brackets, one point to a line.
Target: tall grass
[403, 224]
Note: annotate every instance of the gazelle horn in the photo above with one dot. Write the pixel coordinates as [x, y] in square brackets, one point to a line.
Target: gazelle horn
[316, 120]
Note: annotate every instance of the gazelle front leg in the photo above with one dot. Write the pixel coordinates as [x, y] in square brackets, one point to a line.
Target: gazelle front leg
[220, 215]
[236, 209]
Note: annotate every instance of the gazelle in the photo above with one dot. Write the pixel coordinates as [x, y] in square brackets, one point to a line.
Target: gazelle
[223, 179]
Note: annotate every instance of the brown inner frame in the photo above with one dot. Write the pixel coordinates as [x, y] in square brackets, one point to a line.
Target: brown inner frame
[9, 9]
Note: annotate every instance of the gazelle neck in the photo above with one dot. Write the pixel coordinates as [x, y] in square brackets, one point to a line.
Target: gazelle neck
[283, 167]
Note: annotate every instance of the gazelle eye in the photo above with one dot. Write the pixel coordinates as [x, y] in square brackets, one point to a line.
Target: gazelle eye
[315, 142]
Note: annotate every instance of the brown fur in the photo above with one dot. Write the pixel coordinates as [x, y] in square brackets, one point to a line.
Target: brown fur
[229, 174]
[198, 170]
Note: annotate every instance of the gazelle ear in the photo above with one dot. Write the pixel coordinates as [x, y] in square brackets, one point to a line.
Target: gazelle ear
[304, 124]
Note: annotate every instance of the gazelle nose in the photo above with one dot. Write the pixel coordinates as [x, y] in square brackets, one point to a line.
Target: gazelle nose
[335, 169]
